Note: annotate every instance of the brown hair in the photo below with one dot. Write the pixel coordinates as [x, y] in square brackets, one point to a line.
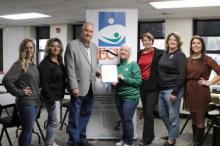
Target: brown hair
[203, 51]
[149, 36]
[178, 39]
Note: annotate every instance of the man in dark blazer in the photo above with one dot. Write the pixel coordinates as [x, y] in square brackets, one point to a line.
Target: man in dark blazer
[81, 62]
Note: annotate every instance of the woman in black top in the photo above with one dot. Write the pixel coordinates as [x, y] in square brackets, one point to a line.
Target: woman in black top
[22, 81]
[172, 70]
[52, 79]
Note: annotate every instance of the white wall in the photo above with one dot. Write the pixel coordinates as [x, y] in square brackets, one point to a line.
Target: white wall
[65, 34]
[12, 37]
[184, 27]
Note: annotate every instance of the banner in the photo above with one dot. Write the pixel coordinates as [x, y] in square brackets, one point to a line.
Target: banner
[112, 28]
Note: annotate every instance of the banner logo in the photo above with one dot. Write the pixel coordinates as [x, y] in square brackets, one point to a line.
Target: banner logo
[111, 29]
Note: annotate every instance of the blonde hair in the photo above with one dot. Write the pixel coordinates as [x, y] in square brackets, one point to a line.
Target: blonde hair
[48, 48]
[23, 54]
[127, 47]
[178, 39]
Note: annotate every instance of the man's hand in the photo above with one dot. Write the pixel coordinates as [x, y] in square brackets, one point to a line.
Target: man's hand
[98, 74]
[74, 92]
[114, 84]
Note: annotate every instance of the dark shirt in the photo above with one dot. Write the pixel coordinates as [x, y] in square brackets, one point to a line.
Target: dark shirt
[172, 71]
[52, 79]
[16, 80]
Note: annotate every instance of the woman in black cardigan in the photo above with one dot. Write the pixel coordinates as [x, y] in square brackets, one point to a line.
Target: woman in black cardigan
[148, 59]
[52, 79]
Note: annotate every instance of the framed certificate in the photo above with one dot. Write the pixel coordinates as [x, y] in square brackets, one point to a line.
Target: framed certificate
[109, 73]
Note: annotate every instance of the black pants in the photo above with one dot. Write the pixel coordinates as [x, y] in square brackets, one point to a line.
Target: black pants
[149, 100]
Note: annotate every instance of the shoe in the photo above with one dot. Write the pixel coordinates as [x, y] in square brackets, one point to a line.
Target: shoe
[86, 143]
[55, 144]
[169, 144]
[164, 138]
[120, 143]
[199, 136]
[142, 143]
[127, 144]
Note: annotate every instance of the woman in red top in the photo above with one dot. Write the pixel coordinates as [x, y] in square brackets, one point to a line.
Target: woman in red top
[197, 97]
[148, 62]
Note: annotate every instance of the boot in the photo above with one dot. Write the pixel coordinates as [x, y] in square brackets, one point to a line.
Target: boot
[194, 132]
[199, 136]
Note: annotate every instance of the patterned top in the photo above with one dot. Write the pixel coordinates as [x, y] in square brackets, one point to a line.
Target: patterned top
[197, 96]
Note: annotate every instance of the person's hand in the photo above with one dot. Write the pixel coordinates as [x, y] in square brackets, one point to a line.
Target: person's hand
[75, 92]
[27, 91]
[203, 82]
[173, 97]
[98, 74]
[121, 77]
[51, 101]
[114, 84]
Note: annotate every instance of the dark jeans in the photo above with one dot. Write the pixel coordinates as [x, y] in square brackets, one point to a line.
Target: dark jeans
[149, 100]
[126, 109]
[79, 115]
[28, 114]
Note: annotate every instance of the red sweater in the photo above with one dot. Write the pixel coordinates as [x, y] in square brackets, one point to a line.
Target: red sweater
[145, 62]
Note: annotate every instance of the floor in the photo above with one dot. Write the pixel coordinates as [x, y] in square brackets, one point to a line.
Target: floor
[61, 137]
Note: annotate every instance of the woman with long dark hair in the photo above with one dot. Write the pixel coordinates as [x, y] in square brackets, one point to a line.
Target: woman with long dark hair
[197, 97]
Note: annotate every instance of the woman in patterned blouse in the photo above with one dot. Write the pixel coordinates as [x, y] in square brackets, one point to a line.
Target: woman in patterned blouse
[197, 97]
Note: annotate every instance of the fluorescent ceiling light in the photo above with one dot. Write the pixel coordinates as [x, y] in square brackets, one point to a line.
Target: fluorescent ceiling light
[185, 4]
[22, 16]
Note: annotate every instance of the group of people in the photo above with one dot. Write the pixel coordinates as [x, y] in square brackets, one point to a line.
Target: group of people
[168, 77]
[162, 77]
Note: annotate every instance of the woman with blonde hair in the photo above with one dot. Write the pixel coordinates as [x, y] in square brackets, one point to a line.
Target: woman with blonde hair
[22, 81]
[172, 70]
[127, 93]
[52, 79]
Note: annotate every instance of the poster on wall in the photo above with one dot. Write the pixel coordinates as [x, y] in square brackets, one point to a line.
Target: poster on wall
[112, 29]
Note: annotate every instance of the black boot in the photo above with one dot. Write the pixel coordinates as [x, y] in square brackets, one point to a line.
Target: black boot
[199, 136]
[194, 132]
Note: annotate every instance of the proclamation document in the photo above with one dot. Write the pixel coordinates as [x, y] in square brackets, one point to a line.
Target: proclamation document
[109, 73]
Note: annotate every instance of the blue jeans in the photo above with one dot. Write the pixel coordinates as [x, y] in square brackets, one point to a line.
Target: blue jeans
[79, 115]
[53, 121]
[126, 109]
[28, 114]
[169, 112]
